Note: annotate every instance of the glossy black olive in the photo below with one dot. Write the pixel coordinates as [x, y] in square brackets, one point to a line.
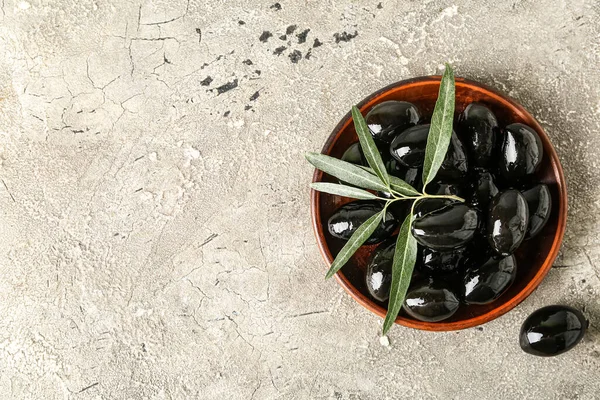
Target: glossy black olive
[354, 155]
[431, 300]
[521, 152]
[447, 188]
[379, 270]
[409, 146]
[440, 262]
[448, 228]
[552, 330]
[346, 220]
[387, 119]
[485, 189]
[507, 221]
[539, 202]
[477, 128]
[455, 165]
[484, 284]
[427, 206]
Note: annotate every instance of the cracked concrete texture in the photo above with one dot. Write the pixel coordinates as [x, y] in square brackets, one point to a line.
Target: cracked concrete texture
[154, 220]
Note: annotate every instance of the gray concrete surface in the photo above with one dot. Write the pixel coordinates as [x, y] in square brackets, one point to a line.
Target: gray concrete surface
[155, 240]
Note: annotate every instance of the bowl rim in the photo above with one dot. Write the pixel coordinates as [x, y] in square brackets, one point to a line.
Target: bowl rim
[501, 309]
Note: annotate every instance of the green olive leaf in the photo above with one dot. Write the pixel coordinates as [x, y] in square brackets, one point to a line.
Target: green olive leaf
[345, 171]
[440, 130]
[368, 146]
[397, 184]
[343, 190]
[356, 240]
[405, 257]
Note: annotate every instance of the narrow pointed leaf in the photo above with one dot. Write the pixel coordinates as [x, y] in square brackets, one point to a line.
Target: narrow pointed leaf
[356, 240]
[368, 146]
[345, 171]
[405, 257]
[440, 130]
[343, 190]
[397, 184]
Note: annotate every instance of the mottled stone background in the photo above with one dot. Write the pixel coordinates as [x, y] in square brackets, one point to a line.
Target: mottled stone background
[155, 240]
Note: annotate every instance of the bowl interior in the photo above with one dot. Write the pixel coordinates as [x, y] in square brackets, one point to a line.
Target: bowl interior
[534, 257]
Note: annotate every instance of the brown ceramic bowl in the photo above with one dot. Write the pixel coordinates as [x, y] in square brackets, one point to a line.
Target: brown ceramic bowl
[534, 257]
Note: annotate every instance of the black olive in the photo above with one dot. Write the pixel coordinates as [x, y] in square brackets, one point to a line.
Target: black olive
[521, 152]
[439, 262]
[484, 284]
[431, 300]
[346, 220]
[387, 119]
[485, 189]
[448, 228]
[455, 165]
[379, 270]
[426, 206]
[552, 330]
[539, 202]
[447, 188]
[478, 127]
[409, 146]
[507, 221]
[354, 155]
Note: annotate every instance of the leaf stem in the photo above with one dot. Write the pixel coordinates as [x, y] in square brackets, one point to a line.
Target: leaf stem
[443, 196]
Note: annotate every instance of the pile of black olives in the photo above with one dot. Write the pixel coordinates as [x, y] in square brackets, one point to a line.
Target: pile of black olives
[466, 250]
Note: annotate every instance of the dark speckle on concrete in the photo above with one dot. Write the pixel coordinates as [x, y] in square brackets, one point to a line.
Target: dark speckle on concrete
[283, 37]
[206, 81]
[240, 22]
[226, 113]
[265, 36]
[247, 62]
[247, 107]
[344, 36]
[290, 29]
[199, 32]
[276, 7]
[317, 43]
[255, 96]
[295, 56]
[279, 50]
[257, 71]
[308, 54]
[302, 36]
[227, 87]
[480, 329]
[380, 6]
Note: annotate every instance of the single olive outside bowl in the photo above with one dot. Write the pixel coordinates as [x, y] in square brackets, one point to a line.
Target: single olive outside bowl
[534, 257]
